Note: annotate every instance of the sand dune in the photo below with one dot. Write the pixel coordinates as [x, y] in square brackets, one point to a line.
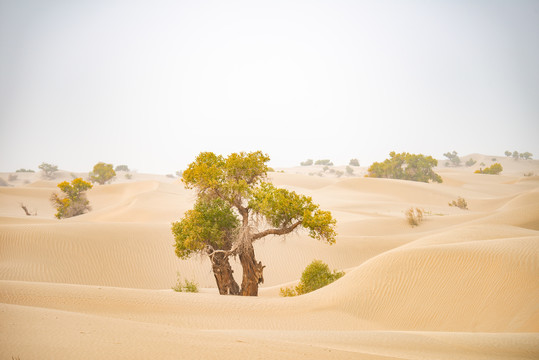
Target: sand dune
[463, 284]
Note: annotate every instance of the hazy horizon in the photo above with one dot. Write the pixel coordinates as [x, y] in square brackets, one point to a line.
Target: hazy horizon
[151, 85]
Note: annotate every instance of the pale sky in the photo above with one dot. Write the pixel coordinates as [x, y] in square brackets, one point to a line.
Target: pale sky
[151, 84]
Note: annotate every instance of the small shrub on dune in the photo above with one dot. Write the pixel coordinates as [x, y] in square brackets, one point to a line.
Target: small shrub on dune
[354, 162]
[470, 162]
[460, 203]
[324, 162]
[414, 216]
[102, 173]
[185, 286]
[25, 170]
[494, 169]
[315, 276]
[308, 162]
[75, 202]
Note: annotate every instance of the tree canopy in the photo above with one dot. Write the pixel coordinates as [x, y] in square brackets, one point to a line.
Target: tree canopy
[406, 166]
[74, 202]
[102, 173]
[236, 206]
[48, 170]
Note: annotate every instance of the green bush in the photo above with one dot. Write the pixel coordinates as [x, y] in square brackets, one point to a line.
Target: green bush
[354, 162]
[185, 286]
[349, 170]
[25, 170]
[508, 153]
[324, 162]
[74, 202]
[308, 162]
[121, 168]
[406, 166]
[102, 173]
[470, 162]
[494, 169]
[315, 276]
[455, 160]
[48, 170]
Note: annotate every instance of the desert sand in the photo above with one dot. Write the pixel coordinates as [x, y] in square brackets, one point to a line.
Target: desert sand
[464, 284]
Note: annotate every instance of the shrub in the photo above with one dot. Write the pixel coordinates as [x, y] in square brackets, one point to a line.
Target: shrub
[25, 170]
[315, 276]
[516, 155]
[470, 162]
[526, 155]
[325, 168]
[508, 153]
[414, 216]
[48, 170]
[482, 164]
[308, 162]
[349, 170]
[354, 162]
[74, 203]
[186, 286]
[339, 173]
[12, 177]
[102, 173]
[128, 176]
[406, 166]
[121, 168]
[323, 162]
[494, 169]
[460, 203]
[455, 160]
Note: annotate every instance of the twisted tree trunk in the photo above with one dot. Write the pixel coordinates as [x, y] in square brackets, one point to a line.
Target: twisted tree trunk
[252, 271]
[224, 275]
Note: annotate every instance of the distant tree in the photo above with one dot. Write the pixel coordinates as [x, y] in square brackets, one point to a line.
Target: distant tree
[48, 170]
[349, 170]
[102, 173]
[308, 162]
[74, 202]
[323, 162]
[406, 166]
[526, 155]
[25, 171]
[508, 153]
[354, 162]
[453, 157]
[121, 168]
[516, 155]
[315, 276]
[470, 162]
[494, 169]
[233, 200]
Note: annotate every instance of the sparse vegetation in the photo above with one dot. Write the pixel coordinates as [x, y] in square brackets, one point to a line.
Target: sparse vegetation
[508, 153]
[25, 171]
[323, 162]
[121, 168]
[339, 173]
[308, 162]
[470, 162]
[494, 169]
[349, 170]
[315, 276]
[354, 162]
[102, 173]
[406, 166]
[414, 216]
[526, 155]
[185, 285]
[48, 170]
[460, 203]
[128, 176]
[75, 202]
[453, 157]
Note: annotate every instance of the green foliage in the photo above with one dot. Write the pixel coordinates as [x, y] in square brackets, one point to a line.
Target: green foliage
[323, 162]
[211, 222]
[308, 162]
[453, 157]
[25, 170]
[508, 153]
[315, 276]
[516, 155]
[354, 162]
[185, 286]
[74, 203]
[349, 170]
[121, 168]
[414, 216]
[470, 162]
[460, 203]
[526, 155]
[406, 166]
[128, 176]
[494, 169]
[102, 173]
[48, 170]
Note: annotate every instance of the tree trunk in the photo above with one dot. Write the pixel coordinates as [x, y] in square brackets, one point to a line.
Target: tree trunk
[252, 271]
[223, 275]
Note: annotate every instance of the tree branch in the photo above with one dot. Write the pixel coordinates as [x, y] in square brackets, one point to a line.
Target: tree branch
[281, 231]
